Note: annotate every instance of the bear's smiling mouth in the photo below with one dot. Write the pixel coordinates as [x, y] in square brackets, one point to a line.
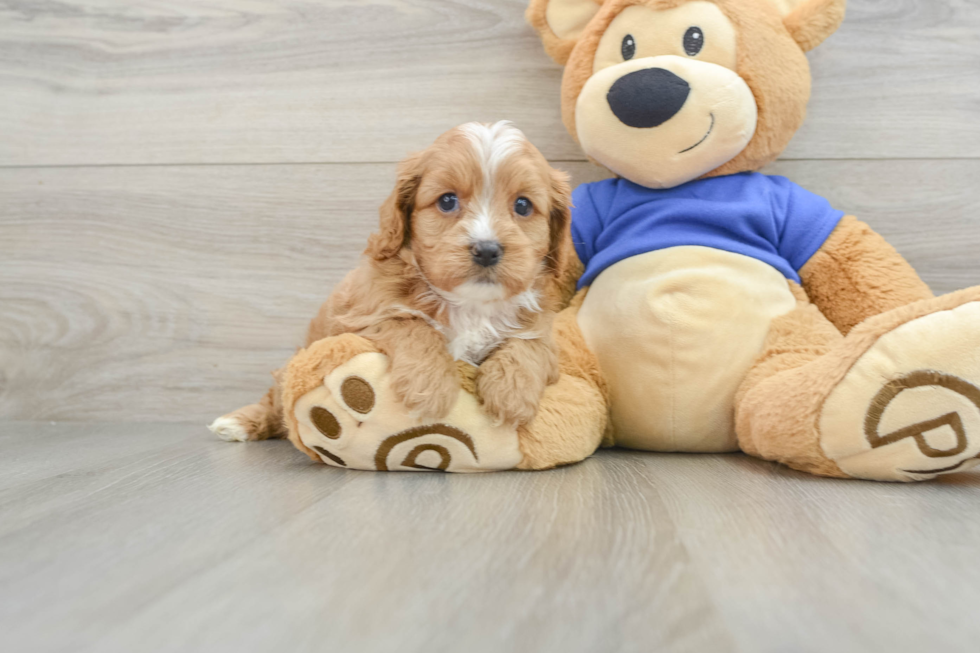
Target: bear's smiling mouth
[703, 138]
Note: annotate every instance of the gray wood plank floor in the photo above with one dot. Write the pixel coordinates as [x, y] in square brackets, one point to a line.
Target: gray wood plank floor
[154, 537]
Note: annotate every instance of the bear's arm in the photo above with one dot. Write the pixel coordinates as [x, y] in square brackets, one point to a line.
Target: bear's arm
[856, 274]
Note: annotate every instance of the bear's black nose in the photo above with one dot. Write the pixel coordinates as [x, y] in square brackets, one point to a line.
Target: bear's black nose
[648, 97]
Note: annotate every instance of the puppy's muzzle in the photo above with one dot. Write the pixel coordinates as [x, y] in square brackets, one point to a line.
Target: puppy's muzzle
[647, 98]
[486, 253]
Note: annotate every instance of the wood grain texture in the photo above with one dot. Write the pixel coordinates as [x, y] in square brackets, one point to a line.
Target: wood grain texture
[263, 81]
[170, 293]
[156, 537]
[183, 543]
[800, 563]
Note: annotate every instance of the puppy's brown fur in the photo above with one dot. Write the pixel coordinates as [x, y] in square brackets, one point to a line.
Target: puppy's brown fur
[419, 295]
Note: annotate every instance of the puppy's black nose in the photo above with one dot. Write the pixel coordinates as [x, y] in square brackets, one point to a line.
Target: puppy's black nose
[648, 97]
[486, 253]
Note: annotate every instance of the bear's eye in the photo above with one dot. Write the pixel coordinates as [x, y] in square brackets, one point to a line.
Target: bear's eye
[693, 41]
[628, 48]
[523, 207]
[448, 203]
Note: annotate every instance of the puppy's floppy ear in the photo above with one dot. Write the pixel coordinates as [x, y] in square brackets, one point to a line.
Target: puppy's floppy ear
[560, 22]
[396, 212]
[809, 22]
[559, 223]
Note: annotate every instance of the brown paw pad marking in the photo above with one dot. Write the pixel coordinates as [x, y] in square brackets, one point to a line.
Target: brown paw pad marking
[332, 456]
[358, 394]
[410, 460]
[325, 422]
[919, 379]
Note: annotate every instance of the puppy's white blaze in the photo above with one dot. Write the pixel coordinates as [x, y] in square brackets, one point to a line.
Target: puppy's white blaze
[492, 145]
[480, 227]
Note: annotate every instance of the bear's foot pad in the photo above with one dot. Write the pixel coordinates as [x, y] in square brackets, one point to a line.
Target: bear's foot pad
[353, 420]
[909, 407]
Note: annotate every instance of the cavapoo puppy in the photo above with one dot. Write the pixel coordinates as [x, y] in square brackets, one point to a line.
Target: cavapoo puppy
[465, 267]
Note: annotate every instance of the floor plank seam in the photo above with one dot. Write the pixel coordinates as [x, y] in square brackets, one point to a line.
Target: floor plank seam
[259, 164]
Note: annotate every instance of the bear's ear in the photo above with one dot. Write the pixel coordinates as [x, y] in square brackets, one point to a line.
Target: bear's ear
[560, 22]
[811, 21]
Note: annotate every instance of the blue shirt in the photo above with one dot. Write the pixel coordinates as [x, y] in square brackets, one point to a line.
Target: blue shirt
[768, 218]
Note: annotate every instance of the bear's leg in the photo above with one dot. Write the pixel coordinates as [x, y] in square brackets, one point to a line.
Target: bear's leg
[573, 418]
[340, 410]
[781, 431]
[897, 399]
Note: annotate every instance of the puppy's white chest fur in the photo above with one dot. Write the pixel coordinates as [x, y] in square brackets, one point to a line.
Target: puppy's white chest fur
[480, 319]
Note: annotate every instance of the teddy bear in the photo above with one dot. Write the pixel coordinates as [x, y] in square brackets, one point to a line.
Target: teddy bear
[712, 308]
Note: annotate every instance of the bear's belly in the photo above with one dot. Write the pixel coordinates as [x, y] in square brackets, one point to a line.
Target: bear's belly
[675, 332]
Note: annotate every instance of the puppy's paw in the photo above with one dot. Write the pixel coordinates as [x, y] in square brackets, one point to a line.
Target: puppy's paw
[428, 393]
[509, 394]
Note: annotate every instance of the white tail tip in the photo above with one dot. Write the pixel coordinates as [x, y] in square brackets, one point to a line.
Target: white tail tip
[229, 429]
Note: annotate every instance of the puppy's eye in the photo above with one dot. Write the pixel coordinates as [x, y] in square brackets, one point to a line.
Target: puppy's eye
[628, 48]
[523, 207]
[448, 203]
[693, 41]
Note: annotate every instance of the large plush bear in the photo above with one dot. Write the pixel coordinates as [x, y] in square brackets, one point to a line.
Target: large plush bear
[717, 308]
